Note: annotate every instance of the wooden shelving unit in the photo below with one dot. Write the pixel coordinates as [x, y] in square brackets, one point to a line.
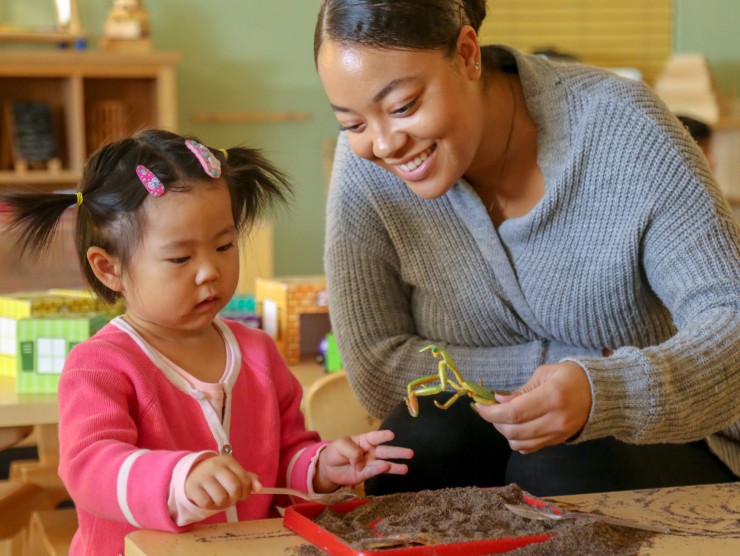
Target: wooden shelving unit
[72, 82]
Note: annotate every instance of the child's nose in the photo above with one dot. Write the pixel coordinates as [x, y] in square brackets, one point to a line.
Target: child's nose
[207, 272]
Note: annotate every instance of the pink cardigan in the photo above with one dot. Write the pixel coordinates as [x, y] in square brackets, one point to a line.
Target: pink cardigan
[123, 427]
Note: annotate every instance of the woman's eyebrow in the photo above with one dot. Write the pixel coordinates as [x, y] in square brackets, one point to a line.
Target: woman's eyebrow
[380, 95]
[385, 91]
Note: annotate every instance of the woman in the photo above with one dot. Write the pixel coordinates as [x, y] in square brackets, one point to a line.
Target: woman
[555, 230]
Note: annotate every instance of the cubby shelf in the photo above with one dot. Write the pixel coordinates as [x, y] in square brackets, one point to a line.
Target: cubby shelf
[73, 83]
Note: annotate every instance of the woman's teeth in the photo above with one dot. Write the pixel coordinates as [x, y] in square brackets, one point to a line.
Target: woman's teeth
[414, 164]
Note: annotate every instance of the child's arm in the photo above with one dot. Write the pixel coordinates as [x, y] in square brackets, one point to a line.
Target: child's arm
[351, 460]
[105, 471]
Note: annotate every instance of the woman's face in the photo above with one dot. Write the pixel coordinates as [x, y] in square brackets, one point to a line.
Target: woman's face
[414, 113]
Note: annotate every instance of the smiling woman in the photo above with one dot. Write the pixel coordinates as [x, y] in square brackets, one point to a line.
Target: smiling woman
[553, 228]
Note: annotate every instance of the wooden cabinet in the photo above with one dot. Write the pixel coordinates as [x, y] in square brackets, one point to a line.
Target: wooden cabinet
[93, 97]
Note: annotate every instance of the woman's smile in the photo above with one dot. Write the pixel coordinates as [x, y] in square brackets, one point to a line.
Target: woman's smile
[418, 167]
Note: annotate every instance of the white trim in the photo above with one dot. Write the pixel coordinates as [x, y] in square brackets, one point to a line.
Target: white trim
[121, 490]
[179, 382]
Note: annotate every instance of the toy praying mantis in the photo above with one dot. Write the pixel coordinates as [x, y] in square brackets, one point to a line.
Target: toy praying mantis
[418, 387]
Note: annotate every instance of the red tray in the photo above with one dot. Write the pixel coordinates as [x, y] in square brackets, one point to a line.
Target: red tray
[299, 519]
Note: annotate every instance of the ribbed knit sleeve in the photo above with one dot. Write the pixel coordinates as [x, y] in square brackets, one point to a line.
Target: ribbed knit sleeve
[686, 387]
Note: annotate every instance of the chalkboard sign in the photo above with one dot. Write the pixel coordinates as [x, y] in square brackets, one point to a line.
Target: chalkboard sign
[32, 132]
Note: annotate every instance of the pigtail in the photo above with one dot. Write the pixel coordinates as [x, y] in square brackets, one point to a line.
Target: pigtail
[256, 184]
[34, 218]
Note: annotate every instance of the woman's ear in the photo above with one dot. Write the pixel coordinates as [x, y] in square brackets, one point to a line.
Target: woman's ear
[468, 51]
[107, 268]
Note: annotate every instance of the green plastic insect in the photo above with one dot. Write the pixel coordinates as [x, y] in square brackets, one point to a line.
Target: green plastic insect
[418, 387]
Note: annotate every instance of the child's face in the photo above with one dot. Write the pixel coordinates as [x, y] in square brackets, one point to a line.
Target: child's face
[186, 268]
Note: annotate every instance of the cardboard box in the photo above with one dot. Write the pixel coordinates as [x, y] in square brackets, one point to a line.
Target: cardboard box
[288, 307]
[43, 346]
[16, 307]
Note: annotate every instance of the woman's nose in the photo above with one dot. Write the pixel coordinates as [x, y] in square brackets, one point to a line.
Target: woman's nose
[386, 142]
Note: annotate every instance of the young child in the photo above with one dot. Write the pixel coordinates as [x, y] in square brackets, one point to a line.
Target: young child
[170, 415]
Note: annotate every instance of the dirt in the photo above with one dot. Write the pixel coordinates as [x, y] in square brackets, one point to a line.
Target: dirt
[459, 515]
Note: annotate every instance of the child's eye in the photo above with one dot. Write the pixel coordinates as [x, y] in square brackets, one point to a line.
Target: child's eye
[405, 109]
[225, 247]
[179, 260]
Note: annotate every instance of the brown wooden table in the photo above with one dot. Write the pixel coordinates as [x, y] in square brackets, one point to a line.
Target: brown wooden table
[704, 520]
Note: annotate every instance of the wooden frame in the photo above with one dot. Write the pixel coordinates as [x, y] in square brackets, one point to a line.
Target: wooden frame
[69, 30]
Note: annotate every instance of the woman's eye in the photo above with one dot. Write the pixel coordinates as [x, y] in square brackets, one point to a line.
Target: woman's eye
[405, 109]
[353, 128]
[225, 247]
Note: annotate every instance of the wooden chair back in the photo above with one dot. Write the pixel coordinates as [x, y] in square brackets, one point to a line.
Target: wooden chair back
[332, 409]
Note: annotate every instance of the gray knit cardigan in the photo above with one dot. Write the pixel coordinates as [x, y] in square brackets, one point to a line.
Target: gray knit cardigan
[632, 248]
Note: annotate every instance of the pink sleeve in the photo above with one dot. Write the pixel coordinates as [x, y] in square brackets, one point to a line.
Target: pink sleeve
[182, 510]
[297, 445]
[302, 469]
[104, 470]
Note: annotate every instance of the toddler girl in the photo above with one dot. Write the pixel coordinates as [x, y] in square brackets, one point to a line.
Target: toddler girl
[170, 415]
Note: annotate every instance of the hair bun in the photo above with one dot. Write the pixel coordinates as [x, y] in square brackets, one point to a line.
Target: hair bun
[476, 12]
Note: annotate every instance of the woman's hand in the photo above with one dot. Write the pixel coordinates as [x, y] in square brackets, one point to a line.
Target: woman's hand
[351, 460]
[218, 482]
[550, 408]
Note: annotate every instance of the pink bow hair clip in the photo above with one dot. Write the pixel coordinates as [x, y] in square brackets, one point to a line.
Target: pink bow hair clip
[150, 181]
[211, 164]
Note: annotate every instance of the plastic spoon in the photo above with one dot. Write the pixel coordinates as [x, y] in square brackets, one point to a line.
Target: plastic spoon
[323, 498]
[532, 512]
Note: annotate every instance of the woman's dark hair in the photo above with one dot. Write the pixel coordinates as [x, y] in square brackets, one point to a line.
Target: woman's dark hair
[110, 216]
[397, 24]
[699, 130]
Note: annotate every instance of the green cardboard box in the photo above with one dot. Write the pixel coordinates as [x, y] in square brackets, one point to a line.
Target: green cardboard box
[43, 345]
[43, 304]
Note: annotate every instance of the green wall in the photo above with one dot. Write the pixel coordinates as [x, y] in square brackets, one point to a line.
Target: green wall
[256, 55]
[713, 28]
[241, 55]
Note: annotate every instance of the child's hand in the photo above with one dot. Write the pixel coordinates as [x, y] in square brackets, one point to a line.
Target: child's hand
[219, 482]
[351, 460]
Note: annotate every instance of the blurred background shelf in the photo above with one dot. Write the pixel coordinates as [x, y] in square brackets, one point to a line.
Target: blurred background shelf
[93, 97]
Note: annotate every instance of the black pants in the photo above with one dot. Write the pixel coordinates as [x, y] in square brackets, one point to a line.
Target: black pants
[456, 447]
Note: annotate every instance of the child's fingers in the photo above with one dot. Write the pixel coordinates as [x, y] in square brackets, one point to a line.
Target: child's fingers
[373, 438]
[237, 481]
[219, 483]
[393, 452]
[349, 450]
[210, 494]
[376, 467]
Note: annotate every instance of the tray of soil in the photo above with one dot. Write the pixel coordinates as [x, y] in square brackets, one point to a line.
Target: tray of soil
[465, 521]
[456, 521]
